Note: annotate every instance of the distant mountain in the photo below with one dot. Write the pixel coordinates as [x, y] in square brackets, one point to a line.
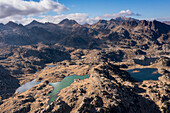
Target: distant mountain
[34, 23]
[126, 19]
[167, 22]
[12, 24]
[68, 22]
[70, 33]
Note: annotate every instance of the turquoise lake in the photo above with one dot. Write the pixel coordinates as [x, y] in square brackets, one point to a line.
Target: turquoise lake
[144, 74]
[67, 81]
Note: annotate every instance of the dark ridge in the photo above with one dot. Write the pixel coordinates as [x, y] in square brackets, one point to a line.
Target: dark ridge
[160, 27]
[1, 24]
[13, 24]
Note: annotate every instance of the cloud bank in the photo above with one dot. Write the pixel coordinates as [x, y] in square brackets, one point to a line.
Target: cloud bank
[120, 14]
[81, 18]
[159, 19]
[20, 7]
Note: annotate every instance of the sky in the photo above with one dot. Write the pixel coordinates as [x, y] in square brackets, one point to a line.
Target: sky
[83, 11]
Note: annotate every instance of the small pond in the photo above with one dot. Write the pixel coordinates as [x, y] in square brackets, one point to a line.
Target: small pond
[144, 74]
[51, 65]
[63, 84]
[27, 86]
[31, 84]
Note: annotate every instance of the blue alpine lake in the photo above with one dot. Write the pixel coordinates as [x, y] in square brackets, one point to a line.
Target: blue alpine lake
[144, 74]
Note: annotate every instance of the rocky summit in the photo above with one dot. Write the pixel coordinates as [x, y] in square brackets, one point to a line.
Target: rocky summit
[49, 53]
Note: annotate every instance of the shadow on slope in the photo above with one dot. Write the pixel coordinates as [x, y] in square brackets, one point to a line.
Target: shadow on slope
[8, 84]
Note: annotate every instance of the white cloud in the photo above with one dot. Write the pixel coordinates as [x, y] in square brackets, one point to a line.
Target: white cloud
[159, 19]
[121, 13]
[81, 18]
[20, 7]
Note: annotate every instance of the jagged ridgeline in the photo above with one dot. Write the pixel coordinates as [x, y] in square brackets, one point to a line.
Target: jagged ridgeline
[69, 33]
[120, 65]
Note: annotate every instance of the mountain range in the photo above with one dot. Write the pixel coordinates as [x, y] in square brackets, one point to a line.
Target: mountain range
[70, 33]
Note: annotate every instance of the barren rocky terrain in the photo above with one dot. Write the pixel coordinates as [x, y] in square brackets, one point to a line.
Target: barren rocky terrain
[50, 52]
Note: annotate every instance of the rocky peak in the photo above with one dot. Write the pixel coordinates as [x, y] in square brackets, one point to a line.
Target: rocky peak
[158, 24]
[12, 24]
[156, 27]
[160, 27]
[101, 24]
[126, 19]
[143, 23]
[68, 22]
[121, 19]
[34, 22]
